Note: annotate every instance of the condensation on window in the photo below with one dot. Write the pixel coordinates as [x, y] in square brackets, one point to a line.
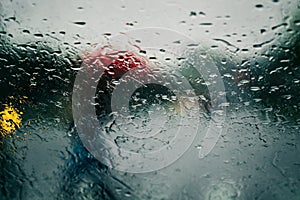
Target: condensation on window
[149, 99]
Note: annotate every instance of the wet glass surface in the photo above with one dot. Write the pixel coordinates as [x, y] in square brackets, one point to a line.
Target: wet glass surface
[203, 95]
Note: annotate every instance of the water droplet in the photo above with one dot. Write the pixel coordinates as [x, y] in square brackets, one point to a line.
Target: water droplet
[297, 22]
[206, 24]
[254, 88]
[279, 25]
[38, 35]
[259, 6]
[262, 31]
[26, 31]
[127, 194]
[202, 13]
[79, 23]
[107, 34]
[129, 24]
[223, 61]
[243, 82]
[192, 13]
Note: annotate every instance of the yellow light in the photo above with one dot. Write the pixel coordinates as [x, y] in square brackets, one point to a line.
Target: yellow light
[10, 120]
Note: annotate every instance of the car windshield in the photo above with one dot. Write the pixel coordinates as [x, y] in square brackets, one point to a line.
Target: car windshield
[149, 99]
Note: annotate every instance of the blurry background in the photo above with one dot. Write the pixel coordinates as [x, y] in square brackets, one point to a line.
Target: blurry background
[256, 45]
